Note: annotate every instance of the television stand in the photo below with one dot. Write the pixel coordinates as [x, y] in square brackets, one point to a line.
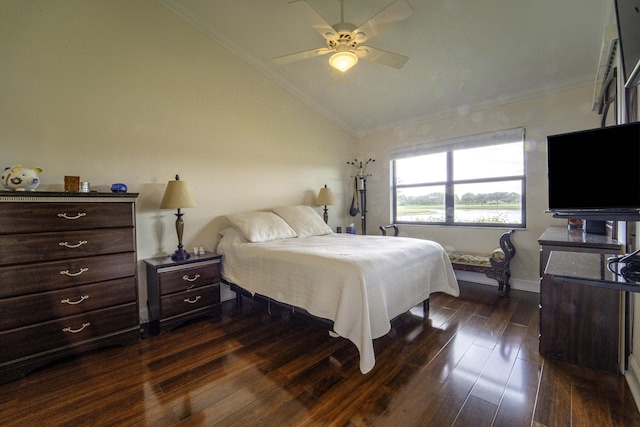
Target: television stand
[579, 317]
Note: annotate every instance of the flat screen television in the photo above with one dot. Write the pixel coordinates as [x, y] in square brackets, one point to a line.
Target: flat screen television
[595, 174]
[628, 18]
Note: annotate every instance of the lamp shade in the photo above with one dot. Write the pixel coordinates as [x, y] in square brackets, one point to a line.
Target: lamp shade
[342, 61]
[177, 195]
[325, 197]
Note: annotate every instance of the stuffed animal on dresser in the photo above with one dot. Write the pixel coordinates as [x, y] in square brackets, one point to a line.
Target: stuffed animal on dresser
[17, 178]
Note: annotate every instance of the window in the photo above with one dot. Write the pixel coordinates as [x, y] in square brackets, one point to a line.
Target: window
[477, 180]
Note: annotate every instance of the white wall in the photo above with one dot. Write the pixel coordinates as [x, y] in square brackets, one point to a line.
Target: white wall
[125, 91]
[546, 115]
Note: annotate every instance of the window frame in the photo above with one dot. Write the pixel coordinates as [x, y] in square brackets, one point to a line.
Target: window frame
[449, 147]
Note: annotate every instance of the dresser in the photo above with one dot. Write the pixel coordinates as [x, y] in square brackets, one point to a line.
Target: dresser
[182, 290]
[580, 322]
[68, 276]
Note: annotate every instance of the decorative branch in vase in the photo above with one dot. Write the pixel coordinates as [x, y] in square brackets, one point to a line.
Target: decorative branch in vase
[361, 167]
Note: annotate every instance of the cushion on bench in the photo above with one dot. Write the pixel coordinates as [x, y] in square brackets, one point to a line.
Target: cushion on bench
[476, 259]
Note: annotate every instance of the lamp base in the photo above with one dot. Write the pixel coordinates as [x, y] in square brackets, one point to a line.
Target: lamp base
[180, 255]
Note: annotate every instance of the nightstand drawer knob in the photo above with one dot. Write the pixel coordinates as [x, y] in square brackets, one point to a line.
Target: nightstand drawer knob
[192, 301]
[68, 301]
[73, 246]
[75, 331]
[191, 279]
[67, 273]
[65, 216]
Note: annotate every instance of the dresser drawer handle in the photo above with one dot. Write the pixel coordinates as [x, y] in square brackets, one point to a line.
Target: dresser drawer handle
[68, 301]
[75, 331]
[189, 279]
[194, 301]
[67, 245]
[67, 273]
[65, 216]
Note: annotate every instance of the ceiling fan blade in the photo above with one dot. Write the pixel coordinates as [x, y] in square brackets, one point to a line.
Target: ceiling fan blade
[396, 11]
[380, 56]
[300, 55]
[314, 19]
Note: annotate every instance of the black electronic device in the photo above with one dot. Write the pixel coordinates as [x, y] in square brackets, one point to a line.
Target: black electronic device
[594, 226]
[595, 174]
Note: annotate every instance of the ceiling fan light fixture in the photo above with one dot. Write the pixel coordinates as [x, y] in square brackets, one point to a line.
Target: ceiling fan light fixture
[343, 61]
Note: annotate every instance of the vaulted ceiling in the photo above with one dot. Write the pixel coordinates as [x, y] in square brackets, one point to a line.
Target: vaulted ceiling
[463, 54]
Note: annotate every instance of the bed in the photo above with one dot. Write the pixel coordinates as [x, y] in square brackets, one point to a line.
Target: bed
[359, 283]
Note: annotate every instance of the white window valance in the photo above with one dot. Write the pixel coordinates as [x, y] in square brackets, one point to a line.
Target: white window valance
[471, 141]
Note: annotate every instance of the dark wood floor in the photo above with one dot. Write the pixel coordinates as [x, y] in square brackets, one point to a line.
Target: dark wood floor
[473, 362]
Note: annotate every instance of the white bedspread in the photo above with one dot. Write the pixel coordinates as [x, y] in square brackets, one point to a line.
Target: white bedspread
[358, 282]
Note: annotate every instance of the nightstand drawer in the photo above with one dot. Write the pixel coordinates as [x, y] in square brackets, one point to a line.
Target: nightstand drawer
[38, 217]
[67, 332]
[184, 302]
[25, 310]
[189, 276]
[38, 247]
[50, 276]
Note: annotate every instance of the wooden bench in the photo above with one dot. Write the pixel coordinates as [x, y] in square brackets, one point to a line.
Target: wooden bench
[494, 265]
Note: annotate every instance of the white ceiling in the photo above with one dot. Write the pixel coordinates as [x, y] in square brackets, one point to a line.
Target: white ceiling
[464, 54]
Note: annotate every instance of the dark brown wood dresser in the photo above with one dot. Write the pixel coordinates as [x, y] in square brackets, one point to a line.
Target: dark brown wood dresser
[68, 276]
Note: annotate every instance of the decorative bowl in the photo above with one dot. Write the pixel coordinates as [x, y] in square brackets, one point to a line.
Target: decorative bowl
[119, 188]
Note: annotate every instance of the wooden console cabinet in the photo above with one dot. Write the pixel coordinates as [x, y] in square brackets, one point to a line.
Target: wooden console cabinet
[180, 291]
[67, 274]
[579, 323]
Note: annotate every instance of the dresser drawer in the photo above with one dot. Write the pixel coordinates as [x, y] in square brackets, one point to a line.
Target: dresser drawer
[21, 311]
[37, 247]
[183, 277]
[50, 276]
[40, 217]
[183, 302]
[66, 332]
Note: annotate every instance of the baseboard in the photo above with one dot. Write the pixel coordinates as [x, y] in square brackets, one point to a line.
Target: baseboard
[521, 285]
[632, 375]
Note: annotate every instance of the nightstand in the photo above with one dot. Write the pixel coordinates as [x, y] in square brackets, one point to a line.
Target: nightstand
[181, 291]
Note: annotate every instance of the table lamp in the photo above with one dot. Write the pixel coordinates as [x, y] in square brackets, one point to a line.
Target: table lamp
[178, 196]
[325, 197]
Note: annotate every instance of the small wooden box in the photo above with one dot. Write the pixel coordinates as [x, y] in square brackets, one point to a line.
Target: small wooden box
[72, 184]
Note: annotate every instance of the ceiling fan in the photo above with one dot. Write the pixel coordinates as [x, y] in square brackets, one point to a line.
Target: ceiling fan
[344, 40]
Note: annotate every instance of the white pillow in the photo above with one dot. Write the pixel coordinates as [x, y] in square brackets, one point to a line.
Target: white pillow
[304, 220]
[232, 233]
[230, 239]
[261, 226]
